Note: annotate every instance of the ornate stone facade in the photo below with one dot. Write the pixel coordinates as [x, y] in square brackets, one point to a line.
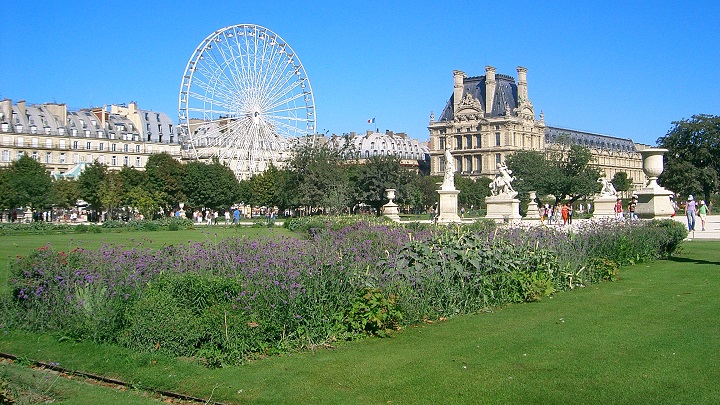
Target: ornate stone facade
[489, 117]
[64, 141]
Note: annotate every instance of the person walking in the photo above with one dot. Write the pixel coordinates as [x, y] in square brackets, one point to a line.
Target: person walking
[690, 210]
[570, 213]
[618, 210]
[702, 213]
[564, 212]
[227, 217]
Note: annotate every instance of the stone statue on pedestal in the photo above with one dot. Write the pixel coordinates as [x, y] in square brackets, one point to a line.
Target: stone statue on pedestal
[502, 183]
[449, 179]
[608, 188]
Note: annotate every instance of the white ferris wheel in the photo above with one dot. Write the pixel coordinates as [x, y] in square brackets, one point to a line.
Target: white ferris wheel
[244, 98]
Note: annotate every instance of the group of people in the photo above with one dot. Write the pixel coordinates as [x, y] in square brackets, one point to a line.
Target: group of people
[692, 208]
[619, 210]
[554, 214]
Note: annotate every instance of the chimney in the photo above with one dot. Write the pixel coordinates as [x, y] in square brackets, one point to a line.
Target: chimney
[522, 84]
[458, 75]
[6, 107]
[21, 108]
[489, 88]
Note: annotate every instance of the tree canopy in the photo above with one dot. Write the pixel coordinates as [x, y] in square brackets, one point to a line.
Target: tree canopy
[25, 183]
[693, 161]
[567, 174]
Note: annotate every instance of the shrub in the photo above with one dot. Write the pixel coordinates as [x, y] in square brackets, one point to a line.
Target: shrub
[372, 313]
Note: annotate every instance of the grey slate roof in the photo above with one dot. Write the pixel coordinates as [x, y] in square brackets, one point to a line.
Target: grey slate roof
[505, 94]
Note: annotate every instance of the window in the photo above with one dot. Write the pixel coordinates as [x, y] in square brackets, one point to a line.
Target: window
[137, 148]
[48, 143]
[20, 154]
[75, 144]
[459, 164]
[113, 161]
[497, 138]
[478, 141]
[6, 156]
[62, 158]
[137, 161]
[126, 161]
[48, 157]
[159, 129]
[101, 146]
[170, 128]
[458, 142]
[442, 143]
[498, 159]
[478, 164]
[34, 142]
[88, 145]
[35, 156]
[113, 147]
[20, 141]
[125, 148]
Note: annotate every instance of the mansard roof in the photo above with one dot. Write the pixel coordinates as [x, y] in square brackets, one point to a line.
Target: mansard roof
[505, 96]
[589, 139]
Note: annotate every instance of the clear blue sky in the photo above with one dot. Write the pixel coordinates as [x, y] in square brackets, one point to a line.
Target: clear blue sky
[625, 69]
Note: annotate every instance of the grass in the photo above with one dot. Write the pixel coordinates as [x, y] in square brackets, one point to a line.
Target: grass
[651, 337]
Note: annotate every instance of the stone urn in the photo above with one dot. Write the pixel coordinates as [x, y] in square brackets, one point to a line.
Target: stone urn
[653, 165]
[390, 209]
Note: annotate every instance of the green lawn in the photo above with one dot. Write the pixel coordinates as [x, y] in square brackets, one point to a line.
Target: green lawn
[650, 337]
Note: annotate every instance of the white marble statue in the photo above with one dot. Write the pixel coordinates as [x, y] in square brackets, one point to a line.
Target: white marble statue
[608, 190]
[502, 183]
[449, 179]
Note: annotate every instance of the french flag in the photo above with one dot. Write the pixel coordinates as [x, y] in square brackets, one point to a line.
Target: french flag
[371, 121]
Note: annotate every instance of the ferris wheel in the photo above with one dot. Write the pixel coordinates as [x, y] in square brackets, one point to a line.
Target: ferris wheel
[244, 99]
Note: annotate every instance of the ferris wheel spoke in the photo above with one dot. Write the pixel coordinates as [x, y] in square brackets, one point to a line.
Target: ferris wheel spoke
[223, 97]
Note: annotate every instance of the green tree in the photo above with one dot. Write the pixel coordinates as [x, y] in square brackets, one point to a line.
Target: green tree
[426, 191]
[111, 193]
[565, 174]
[89, 181]
[380, 173]
[621, 181]
[692, 163]
[144, 201]
[65, 193]
[315, 170]
[164, 174]
[472, 192]
[209, 185]
[25, 183]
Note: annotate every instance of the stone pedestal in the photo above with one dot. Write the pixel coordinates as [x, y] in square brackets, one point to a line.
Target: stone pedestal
[604, 207]
[447, 211]
[532, 210]
[654, 203]
[390, 209]
[503, 208]
[653, 200]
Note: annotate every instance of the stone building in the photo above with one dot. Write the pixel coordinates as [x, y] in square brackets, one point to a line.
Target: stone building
[491, 116]
[64, 140]
[413, 154]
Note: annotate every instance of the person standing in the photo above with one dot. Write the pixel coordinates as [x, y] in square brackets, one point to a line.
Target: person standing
[570, 213]
[564, 211]
[702, 213]
[227, 217]
[631, 209]
[690, 209]
[618, 210]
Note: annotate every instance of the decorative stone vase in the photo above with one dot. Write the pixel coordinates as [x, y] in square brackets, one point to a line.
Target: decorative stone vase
[653, 165]
[390, 194]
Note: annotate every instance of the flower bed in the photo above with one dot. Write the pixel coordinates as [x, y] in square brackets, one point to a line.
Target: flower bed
[238, 298]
